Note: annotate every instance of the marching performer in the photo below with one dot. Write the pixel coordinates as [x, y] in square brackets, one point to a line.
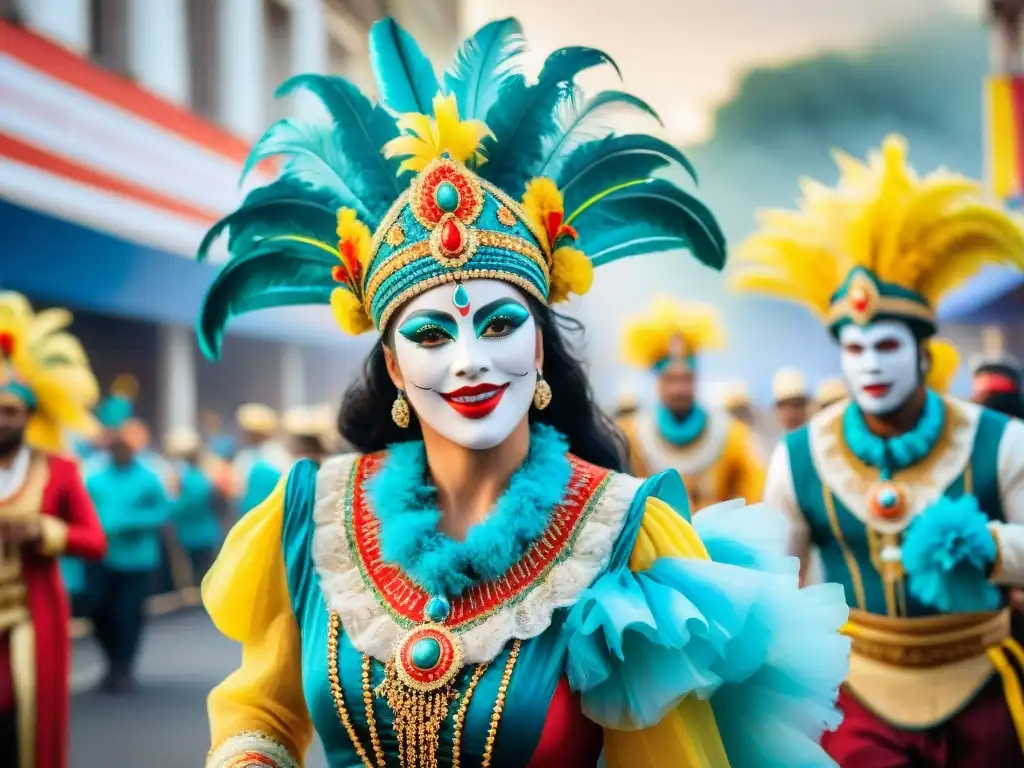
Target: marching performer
[452, 594]
[996, 384]
[791, 400]
[829, 392]
[46, 390]
[916, 501]
[715, 453]
[308, 433]
[736, 402]
[262, 460]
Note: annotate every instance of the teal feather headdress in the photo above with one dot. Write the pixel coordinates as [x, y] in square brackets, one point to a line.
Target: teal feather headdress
[479, 174]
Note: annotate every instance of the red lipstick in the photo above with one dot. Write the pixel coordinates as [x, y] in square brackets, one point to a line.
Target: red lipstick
[475, 402]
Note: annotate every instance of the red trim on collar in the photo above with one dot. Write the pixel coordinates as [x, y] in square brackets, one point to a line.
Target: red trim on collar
[406, 600]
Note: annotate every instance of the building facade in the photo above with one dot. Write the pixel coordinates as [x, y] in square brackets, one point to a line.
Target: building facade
[123, 128]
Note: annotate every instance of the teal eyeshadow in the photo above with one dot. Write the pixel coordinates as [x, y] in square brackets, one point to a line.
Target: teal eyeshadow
[509, 310]
[414, 327]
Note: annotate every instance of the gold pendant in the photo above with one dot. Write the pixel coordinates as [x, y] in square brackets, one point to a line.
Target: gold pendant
[419, 688]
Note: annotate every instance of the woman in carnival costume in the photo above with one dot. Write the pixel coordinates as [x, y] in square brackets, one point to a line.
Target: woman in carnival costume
[915, 500]
[716, 454]
[479, 586]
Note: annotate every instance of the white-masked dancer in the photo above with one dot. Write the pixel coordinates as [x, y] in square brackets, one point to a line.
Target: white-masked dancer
[915, 500]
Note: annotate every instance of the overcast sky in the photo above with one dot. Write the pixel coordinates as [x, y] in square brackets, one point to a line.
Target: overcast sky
[685, 56]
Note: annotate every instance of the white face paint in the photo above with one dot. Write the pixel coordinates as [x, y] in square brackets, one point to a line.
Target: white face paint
[880, 364]
[469, 373]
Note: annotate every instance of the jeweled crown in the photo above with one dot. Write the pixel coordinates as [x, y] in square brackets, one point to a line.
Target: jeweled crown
[480, 175]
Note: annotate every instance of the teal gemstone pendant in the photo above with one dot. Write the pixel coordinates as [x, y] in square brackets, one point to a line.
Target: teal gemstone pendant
[426, 652]
[446, 196]
[437, 609]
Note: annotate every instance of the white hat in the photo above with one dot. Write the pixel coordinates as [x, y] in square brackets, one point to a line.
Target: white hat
[734, 394]
[258, 418]
[787, 384]
[181, 441]
[830, 390]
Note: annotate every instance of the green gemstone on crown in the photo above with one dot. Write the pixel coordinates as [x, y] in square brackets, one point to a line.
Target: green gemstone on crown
[446, 196]
[426, 652]
[461, 300]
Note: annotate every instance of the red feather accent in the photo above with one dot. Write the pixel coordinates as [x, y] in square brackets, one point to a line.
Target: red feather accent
[568, 231]
[553, 223]
[6, 343]
[352, 265]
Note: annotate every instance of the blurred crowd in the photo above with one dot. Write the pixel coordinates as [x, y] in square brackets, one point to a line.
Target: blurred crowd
[165, 508]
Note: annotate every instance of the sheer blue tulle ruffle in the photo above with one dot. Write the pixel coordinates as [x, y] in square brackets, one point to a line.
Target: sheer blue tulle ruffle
[735, 629]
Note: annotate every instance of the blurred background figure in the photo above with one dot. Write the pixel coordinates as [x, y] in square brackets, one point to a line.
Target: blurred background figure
[307, 432]
[46, 390]
[828, 392]
[737, 403]
[262, 459]
[195, 522]
[996, 384]
[132, 505]
[714, 452]
[627, 404]
[791, 399]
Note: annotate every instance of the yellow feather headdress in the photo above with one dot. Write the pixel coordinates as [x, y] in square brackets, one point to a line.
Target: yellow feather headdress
[881, 243]
[45, 365]
[671, 331]
[944, 366]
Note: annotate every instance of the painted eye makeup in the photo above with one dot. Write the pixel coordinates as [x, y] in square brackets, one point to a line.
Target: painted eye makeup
[499, 319]
[429, 329]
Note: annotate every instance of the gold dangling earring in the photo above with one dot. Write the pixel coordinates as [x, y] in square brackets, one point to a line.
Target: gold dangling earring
[541, 393]
[400, 410]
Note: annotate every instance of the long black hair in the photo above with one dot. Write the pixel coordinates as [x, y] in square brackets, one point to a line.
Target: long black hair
[365, 417]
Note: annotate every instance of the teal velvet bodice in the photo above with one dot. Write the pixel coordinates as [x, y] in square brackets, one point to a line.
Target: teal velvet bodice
[813, 498]
[540, 724]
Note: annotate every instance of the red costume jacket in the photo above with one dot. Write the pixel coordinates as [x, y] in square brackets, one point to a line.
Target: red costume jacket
[34, 606]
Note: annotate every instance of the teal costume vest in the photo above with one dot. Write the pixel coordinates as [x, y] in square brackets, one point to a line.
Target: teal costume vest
[817, 503]
[540, 721]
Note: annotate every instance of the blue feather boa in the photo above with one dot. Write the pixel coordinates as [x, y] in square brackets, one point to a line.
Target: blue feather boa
[406, 506]
[681, 432]
[947, 552]
[899, 452]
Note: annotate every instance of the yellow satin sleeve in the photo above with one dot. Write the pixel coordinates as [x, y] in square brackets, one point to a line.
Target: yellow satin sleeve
[744, 469]
[246, 595]
[688, 736]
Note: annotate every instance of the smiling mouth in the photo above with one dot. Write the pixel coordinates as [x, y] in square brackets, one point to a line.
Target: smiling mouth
[475, 402]
[877, 390]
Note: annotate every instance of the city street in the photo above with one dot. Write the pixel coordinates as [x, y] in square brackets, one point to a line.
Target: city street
[163, 724]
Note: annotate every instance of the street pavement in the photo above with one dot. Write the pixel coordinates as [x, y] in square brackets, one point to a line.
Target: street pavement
[163, 724]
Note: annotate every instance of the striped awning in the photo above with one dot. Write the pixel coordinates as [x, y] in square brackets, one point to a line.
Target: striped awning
[1005, 118]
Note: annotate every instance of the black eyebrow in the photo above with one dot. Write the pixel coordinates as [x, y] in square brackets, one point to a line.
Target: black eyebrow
[488, 309]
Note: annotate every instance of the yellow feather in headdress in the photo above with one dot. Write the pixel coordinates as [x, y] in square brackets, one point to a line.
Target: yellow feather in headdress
[425, 138]
[945, 363]
[926, 234]
[53, 365]
[671, 329]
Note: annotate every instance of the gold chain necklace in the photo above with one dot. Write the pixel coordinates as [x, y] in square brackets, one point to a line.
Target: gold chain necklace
[418, 714]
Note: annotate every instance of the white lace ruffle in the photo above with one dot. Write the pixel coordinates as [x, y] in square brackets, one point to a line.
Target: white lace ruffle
[374, 632]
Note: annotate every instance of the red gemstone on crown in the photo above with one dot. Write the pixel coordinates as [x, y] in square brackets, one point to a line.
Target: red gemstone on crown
[859, 299]
[6, 343]
[451, 237]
